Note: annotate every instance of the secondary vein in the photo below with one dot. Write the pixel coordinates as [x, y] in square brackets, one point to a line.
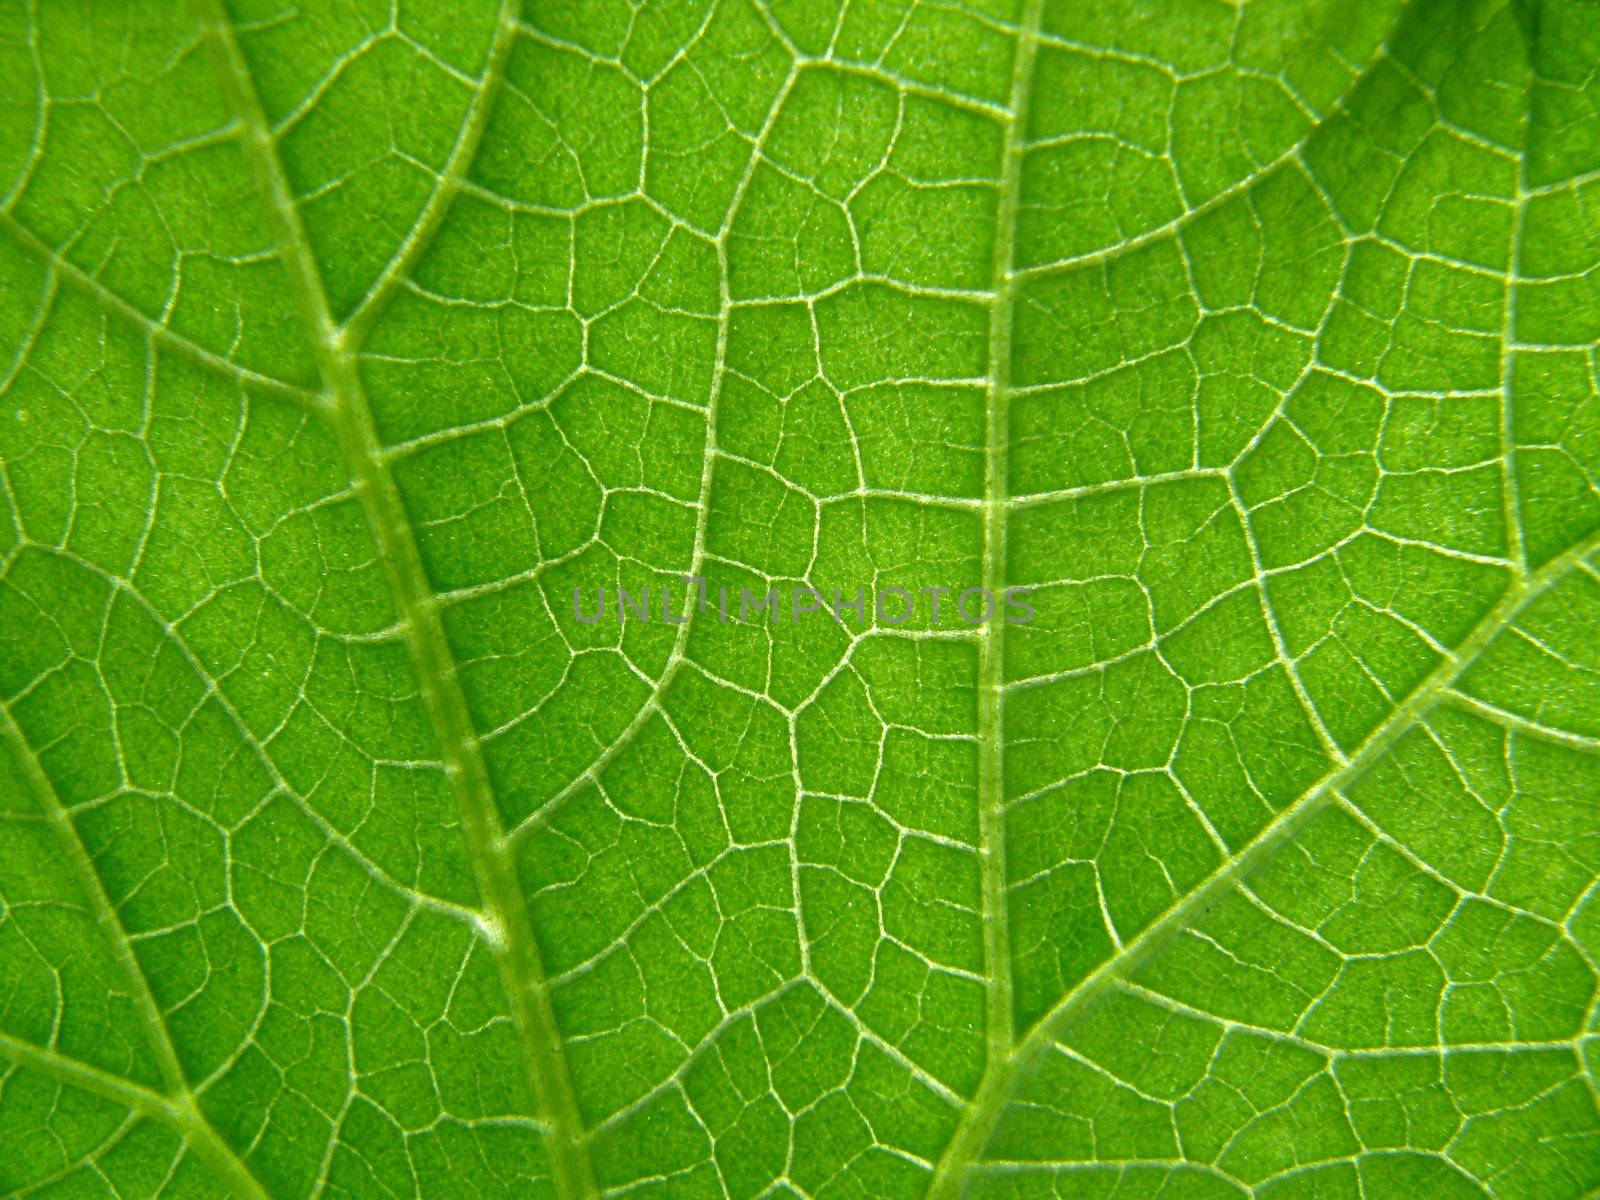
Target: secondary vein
[159, 333]
[178, 1104]
[421, 236]
[999, 1085]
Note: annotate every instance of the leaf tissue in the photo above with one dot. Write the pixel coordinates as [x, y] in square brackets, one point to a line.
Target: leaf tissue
[1235, 361]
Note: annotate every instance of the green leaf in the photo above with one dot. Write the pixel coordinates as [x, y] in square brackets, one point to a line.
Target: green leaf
[343, 342]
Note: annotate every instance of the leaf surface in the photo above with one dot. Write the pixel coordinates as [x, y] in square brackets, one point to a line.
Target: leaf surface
[342, 343]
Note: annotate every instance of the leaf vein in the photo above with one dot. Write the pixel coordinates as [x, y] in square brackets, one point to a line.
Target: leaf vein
[510, 933]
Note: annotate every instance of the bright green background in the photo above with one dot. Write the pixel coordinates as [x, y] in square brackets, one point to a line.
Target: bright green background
[341, 340]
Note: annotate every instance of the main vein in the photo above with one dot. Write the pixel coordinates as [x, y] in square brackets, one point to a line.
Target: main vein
[999, 1035]
[509, 930]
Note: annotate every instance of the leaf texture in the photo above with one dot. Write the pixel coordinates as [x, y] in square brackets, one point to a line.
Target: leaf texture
[342, 342]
